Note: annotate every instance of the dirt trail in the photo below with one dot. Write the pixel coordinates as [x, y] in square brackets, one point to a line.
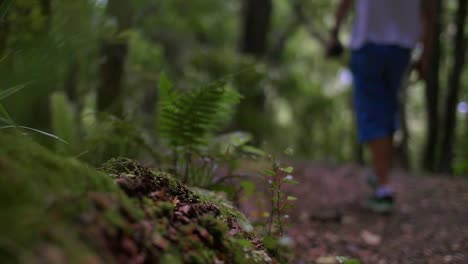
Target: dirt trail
[429, 224]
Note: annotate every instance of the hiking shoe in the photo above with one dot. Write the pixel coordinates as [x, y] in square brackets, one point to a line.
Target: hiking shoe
[382, 204]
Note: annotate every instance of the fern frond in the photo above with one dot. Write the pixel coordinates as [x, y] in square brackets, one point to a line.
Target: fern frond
[189, 119]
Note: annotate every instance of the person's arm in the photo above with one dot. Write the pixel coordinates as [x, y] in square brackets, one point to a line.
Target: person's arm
[334, 47]
[340, 15]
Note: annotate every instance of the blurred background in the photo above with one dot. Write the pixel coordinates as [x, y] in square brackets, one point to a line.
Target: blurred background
[90, 71]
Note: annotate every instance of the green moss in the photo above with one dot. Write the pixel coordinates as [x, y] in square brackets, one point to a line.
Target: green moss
[58, 209]
[41, 195]
[226, 208]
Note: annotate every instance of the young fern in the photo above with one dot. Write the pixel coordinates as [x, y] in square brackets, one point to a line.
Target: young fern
[187, 120]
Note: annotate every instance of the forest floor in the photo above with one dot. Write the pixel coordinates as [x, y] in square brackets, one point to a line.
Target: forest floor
[429, 223]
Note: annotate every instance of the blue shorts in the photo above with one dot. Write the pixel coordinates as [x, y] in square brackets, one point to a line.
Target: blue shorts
[378, 72]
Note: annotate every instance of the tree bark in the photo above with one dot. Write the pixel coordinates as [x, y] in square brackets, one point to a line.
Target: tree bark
[46, 10]
[71, 80]
[256, 26]
[114, 54]
[278, 48]
[454, 85]
[432, 94]
[402, 157]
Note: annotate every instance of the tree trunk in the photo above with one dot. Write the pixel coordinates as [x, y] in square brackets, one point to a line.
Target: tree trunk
[256, 26]
[71, 80]
[256, 23]
[4, 30]
[46, 10]
[432, 94]
[454, 85]
[402, 157]
[114, 54]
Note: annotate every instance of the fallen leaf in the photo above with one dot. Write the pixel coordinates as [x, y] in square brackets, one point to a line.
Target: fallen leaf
[371, 238]
[185, 209]
[326, 260]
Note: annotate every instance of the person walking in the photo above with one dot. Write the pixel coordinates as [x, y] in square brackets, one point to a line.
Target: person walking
[383, 36]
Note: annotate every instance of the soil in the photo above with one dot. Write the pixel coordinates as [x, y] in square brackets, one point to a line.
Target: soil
[428, 225]
[178, 226]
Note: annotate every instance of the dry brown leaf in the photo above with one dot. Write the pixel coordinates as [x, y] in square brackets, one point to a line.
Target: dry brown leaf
[371, 238]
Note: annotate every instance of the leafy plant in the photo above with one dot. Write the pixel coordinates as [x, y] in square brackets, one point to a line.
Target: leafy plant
[279, 176]
[188, 120]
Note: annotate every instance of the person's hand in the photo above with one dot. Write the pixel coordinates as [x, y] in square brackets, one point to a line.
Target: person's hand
[421, 66]
[334, 48]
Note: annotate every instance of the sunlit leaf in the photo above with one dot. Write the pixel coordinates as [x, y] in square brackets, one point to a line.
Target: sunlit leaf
[288, 169]
[289, 151]
[254, 151]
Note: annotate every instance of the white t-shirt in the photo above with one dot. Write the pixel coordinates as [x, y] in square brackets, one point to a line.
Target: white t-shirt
[395, 22]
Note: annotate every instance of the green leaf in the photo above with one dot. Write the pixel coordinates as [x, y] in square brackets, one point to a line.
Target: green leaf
[292, 198]
[10, 91]
[268, 173]
[289, 151]
[164, 83]
[345, 260]
[254, 151]
[288, 169]
[5, 7]
[37, 131]
[292, 182]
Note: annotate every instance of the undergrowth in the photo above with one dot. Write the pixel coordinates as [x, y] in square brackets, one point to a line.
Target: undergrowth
[58, 210]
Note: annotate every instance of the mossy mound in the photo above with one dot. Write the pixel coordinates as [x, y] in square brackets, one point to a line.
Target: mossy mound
[58, 210]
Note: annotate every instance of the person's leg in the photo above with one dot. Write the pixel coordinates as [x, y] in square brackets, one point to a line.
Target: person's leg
[396, 65]
[375, 118]
[382, 156]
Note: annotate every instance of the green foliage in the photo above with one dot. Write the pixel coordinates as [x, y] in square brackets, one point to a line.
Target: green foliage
[10, 123]
[189, 119]
[345, 260]
[277, 178]
[111, 137]
[35, 188]
[56, 207]
[64, 122]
